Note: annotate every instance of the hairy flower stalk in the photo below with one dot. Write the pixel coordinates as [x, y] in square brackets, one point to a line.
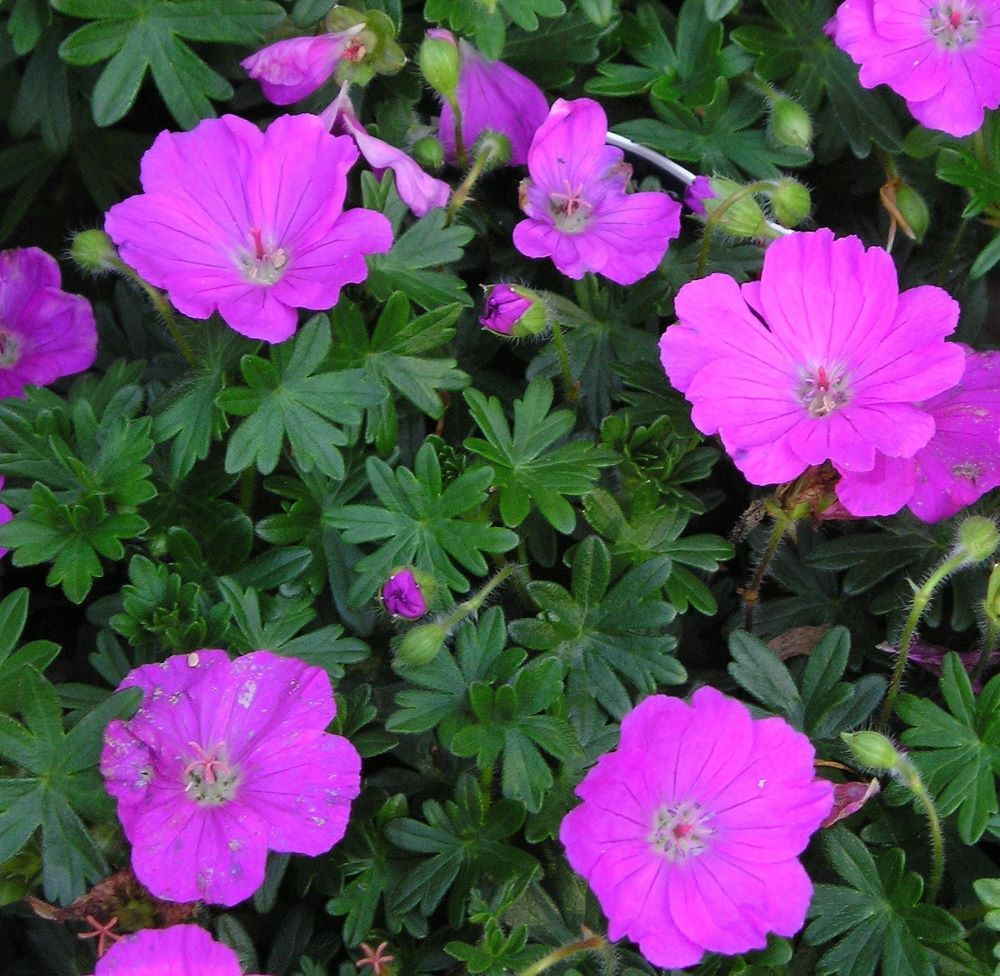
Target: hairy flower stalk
[589, 943]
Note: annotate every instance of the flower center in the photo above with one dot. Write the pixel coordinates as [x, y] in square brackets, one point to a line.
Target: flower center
[10, 348]
[570, 212]
[824, 389]
[681, 831]
[209, 778]
[955, 24]
[262, 262]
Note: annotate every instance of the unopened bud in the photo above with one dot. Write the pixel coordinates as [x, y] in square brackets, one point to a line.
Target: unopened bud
[439, 64]
[873, 750]
[409, 593]
[742, 218]
[992, 602]
[913, 209]
[790, 202]
[429, 152]
[514, 311]
[978, 539]
[790, 124]
[92, 250]
[493, 148]
[422, 644]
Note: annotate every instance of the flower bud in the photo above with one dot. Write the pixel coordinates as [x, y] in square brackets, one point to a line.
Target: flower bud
[92, 250]
[992, 602]
[790, 124]
[872, 749]
[697, 193]
[422, 644]
[439, 64]
[913, 209]
[429, 152]
[514, 311]
[743, 218]
[978, 539]
[790, 202]
[408, 593]
[493, 148]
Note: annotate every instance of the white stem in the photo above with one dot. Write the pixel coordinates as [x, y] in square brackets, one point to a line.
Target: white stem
[666, 164]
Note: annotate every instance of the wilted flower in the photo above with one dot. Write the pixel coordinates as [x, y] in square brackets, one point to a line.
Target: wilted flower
[957, 466]
[420, 191]
[821, 359]
[578, 211]
[223, 761]
[942, 56]
[290, 70]
[181, 950]
[849, 798]
[491, 95]
[248, 223]
[689, 832]
[513, 311]
[404, 596]
[45, 332]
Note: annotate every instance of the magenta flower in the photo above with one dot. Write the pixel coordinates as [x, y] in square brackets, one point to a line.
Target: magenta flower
[45, 332]
[578, 211]
[514, 312]
[822, 359]
[942, 56]
[403, 595]
[689, 832]
[420, 191]
[697, 193]
[491, 95]
[223, 761]
[181, 950]
[956, 467]
[290, 70]
[248, 223]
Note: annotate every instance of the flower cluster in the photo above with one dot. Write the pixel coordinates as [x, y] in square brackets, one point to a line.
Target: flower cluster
[689, 833]
[223, 761]
[248, 223]
[942, 56]
[578, 211]
[45, 333]
[821, 360]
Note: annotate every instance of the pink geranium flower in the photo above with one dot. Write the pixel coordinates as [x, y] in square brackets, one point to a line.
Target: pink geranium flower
[956, 467]
[6, 515]
[45, 332]
[491, 95]
[822, 359]
[689, 832]
[420, 191]
[290, 70]
[224, 761]
[181, 950]
[578, 211]
[248, 223]
[942, 56]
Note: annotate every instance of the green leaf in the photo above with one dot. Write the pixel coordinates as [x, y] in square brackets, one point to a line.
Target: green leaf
[878, 918]
[957, 751]
[286, 399]
[528, 469]
[756, 668]
[423, 523]
[429, 243]
[137, 36]
[607, 638]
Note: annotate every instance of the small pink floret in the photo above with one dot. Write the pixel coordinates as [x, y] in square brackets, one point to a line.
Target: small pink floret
[45, 333]
[689, 832]
[822, 359]
[223, 761]
[942, 56]
[248, 223]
